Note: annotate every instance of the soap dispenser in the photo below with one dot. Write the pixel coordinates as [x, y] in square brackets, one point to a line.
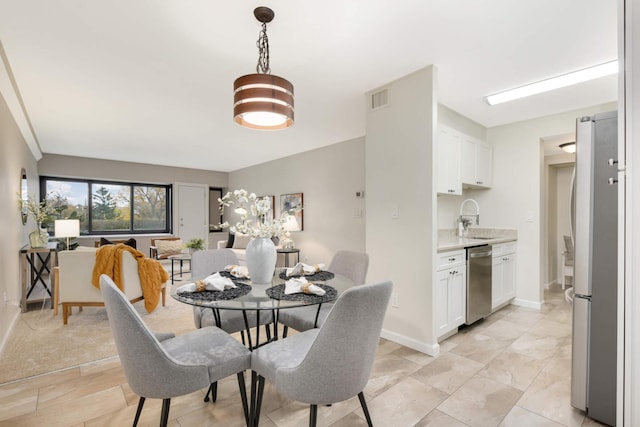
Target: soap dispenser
[460, 229]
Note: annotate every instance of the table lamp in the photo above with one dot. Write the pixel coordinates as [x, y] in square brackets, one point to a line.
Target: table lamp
[290, 225]
[67, 228]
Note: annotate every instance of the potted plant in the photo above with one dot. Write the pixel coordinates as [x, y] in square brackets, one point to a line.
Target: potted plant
[195, 244]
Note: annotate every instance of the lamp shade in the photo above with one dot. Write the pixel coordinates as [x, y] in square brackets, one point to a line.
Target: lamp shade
[291, 224]
[263, 101]
[67, 228]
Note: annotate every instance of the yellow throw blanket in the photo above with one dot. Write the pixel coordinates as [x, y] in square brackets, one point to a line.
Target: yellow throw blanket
[152, 273]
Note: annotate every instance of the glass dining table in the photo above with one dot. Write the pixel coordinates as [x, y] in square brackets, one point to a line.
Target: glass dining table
[248, 297]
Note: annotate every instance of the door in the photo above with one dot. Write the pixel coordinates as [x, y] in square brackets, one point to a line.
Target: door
[192, 214]
[442, 297]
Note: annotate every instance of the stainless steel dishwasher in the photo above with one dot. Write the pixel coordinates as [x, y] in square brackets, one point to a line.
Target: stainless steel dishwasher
[478, 283]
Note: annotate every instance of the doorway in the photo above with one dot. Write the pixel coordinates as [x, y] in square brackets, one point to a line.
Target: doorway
[558, 171]
[192, 212]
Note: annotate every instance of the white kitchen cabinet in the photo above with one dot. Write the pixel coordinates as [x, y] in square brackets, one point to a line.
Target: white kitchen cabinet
[476, 162]
[448, 165]
[503, 279]
[450, 304]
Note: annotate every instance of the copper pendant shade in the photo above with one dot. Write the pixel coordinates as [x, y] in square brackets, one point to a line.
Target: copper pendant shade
[263, 101]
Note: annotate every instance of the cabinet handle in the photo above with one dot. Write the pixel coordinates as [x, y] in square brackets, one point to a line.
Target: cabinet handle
[612, 181]
[451, 259]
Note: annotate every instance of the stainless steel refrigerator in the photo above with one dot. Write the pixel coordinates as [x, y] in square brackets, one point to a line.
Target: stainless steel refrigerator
[595, 230]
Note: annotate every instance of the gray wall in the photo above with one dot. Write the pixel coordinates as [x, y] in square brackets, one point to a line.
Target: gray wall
[329, 178]
[87, 168]
[401, 179]
[14, 155]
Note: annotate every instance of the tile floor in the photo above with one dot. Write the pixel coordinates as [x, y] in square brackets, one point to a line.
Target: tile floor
[511, 369]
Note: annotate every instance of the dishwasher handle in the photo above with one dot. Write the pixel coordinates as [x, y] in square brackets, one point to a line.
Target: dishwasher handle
[480, 254]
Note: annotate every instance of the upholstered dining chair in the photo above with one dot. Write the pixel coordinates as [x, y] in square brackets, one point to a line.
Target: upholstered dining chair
[326, 365]
[204, 263]
[163, 365]
[353, 265]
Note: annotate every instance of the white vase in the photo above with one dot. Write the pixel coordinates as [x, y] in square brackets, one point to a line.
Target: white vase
[261, 260]
[39, 237]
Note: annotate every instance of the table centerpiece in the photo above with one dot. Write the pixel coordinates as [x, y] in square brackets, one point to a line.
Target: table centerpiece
[253, 220]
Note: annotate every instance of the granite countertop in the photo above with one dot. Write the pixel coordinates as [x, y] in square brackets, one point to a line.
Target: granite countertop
[448, 240]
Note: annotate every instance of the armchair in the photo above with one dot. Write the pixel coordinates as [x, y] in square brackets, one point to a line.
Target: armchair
[72, 281]
[163, 247]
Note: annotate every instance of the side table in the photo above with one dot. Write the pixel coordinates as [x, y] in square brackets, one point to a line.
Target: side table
[182, 258]
[287, 252]
[37, 261]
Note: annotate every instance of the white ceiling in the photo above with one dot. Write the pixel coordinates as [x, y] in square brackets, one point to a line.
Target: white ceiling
[151, 80]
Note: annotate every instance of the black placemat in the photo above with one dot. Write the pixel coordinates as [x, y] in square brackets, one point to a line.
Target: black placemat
[320, 275]
[228, 294]
[277, 292]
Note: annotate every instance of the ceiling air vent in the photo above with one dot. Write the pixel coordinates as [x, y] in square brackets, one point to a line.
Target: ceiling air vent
[380, 99]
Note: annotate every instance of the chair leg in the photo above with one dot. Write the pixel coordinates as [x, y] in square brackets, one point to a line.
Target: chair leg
[164, 417]
[363, 403]
[213, 389]
[313, 415]
[243, 396]
[284, 331]
[257, 382]
[138, 411]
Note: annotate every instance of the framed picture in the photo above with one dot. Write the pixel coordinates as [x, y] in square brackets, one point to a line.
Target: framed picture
[271, 213]
[293, 202]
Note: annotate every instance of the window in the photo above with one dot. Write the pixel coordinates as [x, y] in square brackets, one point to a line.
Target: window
[109, 207]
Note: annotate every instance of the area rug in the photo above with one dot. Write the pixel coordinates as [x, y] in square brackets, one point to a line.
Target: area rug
[40, 343]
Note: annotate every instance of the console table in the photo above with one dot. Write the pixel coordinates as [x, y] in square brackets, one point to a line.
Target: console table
[34, 263]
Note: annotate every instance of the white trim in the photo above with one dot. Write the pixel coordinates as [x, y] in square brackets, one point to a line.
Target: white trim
[12, 98]
[526, 303]
[431, 350]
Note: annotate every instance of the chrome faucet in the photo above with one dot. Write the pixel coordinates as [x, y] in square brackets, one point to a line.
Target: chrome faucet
[462, 218]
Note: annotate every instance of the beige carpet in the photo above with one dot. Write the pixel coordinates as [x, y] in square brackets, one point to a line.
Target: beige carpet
[41, 343]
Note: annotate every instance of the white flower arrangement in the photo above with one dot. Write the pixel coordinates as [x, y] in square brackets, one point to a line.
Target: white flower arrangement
[253, 215]
[38, 211]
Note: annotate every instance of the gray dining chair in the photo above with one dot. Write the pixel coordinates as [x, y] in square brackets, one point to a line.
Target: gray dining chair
[162, 365]
[352, 265]
[326, 365]
[203, 263]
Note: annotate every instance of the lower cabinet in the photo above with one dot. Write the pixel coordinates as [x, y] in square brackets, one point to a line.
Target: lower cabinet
[451, 294]
[503, 280]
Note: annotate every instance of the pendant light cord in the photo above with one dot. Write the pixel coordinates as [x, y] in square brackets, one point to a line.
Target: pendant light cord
[263, 52]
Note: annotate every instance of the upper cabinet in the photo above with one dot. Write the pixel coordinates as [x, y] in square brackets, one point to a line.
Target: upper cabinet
[476, 163]
[448, 165]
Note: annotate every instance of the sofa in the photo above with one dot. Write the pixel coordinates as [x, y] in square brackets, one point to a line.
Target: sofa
[239, 247]
[72, 281]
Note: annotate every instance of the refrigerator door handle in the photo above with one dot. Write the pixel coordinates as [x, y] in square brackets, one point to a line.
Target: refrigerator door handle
[580, 352]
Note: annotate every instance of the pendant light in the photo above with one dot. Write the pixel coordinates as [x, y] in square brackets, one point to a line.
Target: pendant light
[262, 100]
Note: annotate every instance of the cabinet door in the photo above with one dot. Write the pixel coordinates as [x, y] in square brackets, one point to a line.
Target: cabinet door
[483, 164]
[468, 163]
[509, 276]
[448, 162]
[457, 300]
[442, 306]
[496, 281]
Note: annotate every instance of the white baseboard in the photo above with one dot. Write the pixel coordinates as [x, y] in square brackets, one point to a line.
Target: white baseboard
[431, 350]
[526, 303]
